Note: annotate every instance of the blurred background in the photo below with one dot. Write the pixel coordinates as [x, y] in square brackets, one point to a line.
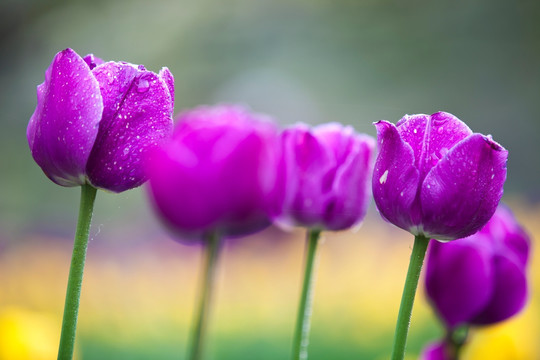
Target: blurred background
[312, 61]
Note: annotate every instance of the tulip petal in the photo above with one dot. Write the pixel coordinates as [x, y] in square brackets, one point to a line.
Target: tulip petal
[307, 165]
[460, 194]
[93, 61]
[186, 209]
[350, 192]
[509, 295]
[64, 126]
[245, 203]
[431, 137]
[137, 115]
[508, 235]
[458, 279]
[166, 75]
[395, 179]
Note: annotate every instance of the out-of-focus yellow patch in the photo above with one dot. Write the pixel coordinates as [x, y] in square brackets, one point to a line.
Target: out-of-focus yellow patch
[515, 339]
[27, 335]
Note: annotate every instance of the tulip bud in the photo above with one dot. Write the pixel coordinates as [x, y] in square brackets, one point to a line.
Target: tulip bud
[216, 174]
[481, 279]
[324, 177]
[96, 121]
[436, 178]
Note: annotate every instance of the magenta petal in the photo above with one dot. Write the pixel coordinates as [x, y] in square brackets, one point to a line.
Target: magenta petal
[307, 162]
[137, 115]
[168, 78]
[189, 207]
[412, 129]
[350, 191]
[460, 194]
[509, 295]
[93, 61]
[458, 279]
[507, 235]
[64, 126]
[244, 202]
[395, 179]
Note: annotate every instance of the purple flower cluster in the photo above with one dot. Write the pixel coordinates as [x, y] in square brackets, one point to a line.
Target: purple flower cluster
[231, 171]
[227, 171]
[96, 121]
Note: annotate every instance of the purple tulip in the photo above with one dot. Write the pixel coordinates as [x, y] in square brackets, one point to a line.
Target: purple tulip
[218, 173]
[324, 176]
[96, 121]
[435, 177]
[480, 279]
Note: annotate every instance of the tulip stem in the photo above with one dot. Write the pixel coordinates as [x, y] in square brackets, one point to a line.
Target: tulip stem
[198, 333]
[303, 319]
[76, 270]
[455, 339]
[407, 299]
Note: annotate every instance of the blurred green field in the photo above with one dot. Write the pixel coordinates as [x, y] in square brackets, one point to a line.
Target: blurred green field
[138, 298]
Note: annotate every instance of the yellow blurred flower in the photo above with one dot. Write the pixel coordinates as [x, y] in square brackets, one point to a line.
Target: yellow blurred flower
[27, 335]
[515, 339]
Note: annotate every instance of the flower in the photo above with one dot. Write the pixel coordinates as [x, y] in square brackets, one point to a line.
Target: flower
[435, 177]
[96, 121]
[481, 279]
[217, 174]
[324, 176]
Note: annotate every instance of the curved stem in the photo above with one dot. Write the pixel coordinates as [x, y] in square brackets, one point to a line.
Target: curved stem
[303, 320]
[407, 298]
[73, 293]
[201, 321]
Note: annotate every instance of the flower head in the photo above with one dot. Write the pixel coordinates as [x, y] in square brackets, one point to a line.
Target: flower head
[324, 176]
[435, 177]
[96, 121]
[481, 279]
[217, 173]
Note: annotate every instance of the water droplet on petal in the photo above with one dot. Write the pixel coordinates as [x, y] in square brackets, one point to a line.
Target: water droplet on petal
[382, 180]
[143, 85]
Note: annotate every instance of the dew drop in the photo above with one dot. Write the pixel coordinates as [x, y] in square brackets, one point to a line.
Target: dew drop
[382, 179]
[143, 85]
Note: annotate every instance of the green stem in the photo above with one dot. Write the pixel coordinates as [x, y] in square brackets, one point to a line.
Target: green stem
[201, 322]
[454, 340]
[407, 299]
[73, 293]
[303, 320]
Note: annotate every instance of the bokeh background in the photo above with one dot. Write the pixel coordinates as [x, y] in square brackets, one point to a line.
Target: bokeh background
[304, 60]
